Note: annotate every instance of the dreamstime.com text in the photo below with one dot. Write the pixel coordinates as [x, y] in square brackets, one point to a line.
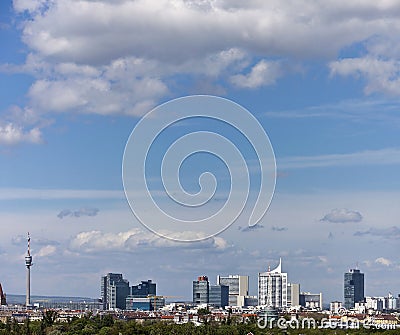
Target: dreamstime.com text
[310, 323]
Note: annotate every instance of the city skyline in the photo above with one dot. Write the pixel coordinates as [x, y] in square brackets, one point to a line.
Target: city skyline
[322, 80]
[115, 291]
[281, 297]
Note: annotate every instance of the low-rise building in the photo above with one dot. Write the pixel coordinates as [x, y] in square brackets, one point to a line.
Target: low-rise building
[311, 301]
[335, 307]
[150, 303]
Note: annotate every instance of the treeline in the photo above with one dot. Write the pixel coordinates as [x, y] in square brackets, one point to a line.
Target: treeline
[106, 325]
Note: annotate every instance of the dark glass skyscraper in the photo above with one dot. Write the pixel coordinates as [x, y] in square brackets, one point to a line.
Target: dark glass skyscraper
[353, 288]
[144, 289]
[114, 290]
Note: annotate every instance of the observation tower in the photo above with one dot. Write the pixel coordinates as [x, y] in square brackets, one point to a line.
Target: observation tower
[28, 263]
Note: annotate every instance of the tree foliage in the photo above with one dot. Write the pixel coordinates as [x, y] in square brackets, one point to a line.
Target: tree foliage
[106, 325]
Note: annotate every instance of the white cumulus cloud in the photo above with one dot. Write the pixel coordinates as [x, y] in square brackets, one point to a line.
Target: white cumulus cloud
[11, 134]
[46, 251]
[382, 75]
[342, 215]
[134, 239]
[383, 261]
[263, 73]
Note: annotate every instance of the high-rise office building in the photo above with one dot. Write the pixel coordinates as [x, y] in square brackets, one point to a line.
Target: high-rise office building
[114, 290]
[143, 297]
[3, 300]
[218, 295]
[238, 288]
[143, 289]
[353, 288]
[204, 293]
[201, 288]
[272, 287]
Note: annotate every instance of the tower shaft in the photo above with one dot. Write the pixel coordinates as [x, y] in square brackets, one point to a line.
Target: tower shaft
[28, 287]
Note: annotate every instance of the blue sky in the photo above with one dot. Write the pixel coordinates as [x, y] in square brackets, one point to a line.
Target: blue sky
[321, 78]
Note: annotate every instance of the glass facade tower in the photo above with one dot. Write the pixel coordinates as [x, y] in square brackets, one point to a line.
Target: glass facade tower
[219, 295]
[143, 289]
[114, 290]
[353, 288]
[201, 290]
[204, 293]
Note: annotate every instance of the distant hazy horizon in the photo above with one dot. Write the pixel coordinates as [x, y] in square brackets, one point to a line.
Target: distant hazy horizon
[19, 299]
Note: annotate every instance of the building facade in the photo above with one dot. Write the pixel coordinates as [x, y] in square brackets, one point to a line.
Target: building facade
[293, 295]
[353, 288]
[214, 295]
[250, 300]
[335, 307]
[150, 303]
[272, 287]
[201, 288]
[390, 303]
[3, 300]
[114, 290]
[218, 296]
[238, 288]
[143, 289]
[311, 300]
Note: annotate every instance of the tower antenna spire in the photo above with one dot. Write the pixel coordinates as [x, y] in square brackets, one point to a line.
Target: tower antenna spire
[29, 244]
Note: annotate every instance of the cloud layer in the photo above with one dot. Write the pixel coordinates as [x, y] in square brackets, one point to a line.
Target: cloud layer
[123, 57]
[388, 232]
[86, 211]
[385, 156]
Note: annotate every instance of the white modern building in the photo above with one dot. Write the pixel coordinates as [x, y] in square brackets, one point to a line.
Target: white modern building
[335, 307]
[272, 287]
[360, 307]
[375, 303]
[238, 288]
[391, 302]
